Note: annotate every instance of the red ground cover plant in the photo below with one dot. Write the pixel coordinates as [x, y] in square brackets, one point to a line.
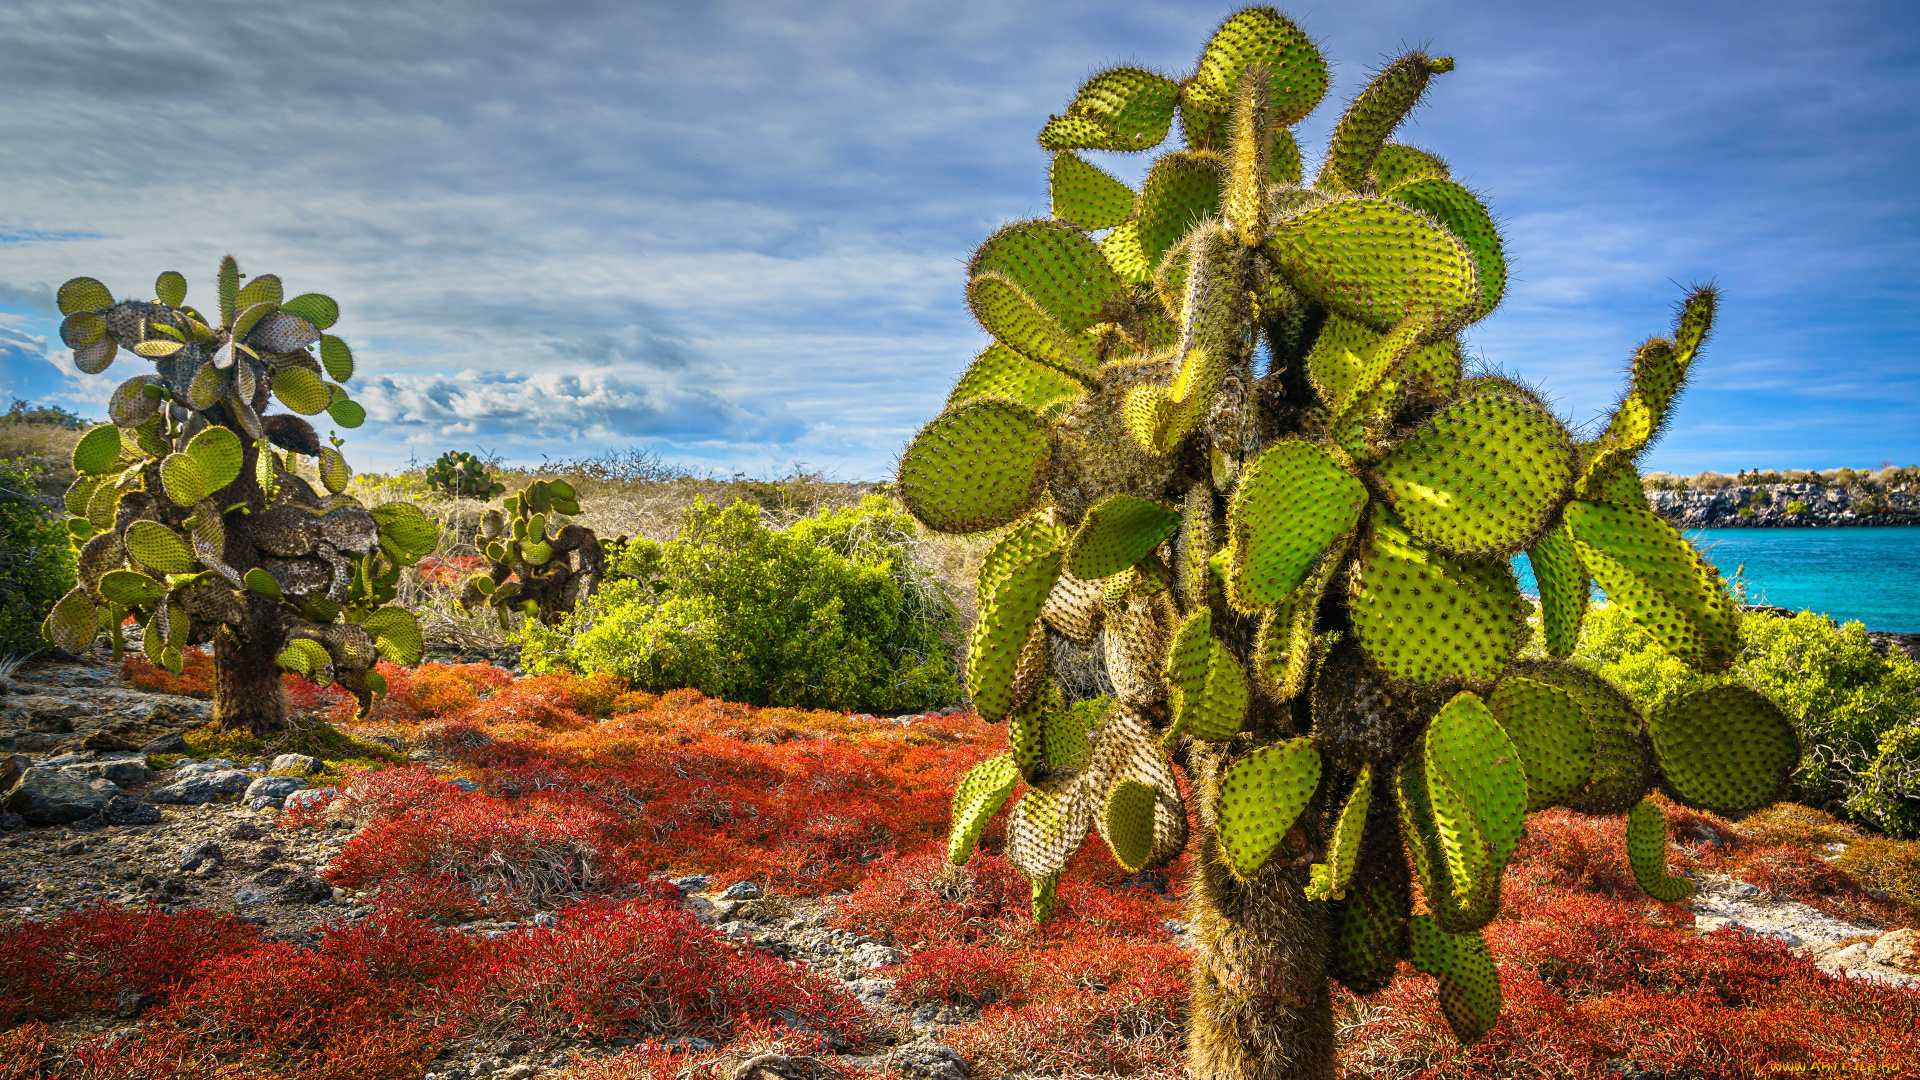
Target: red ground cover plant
[85, 959]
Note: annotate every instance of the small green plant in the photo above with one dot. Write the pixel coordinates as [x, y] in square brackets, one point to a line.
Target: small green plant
[192, 517]
[829, 613]
[25, 412]
[36, 561]
[1796, 507]
[460, 475]
[538, 563]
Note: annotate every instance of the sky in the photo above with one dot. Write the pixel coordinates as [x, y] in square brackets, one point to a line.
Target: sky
[735, 234]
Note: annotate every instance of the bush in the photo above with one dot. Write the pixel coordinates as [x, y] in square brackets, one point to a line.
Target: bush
[36, 560]
[1856, 709]
[830, 613]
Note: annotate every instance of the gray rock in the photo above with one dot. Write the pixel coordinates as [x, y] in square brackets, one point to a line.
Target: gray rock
[165, 744]
[303, 889]
[56, 796]
[295, 763]
[252, 897]
[202, 787]
[690, 882]
[742, 890]
[464, 784]
[12, 765]
[312, 797]
[873, 955]
[50, 725]
[870, 991]
[208, 767]
[124, 772]
[274, 787]
[127, 810]
[204, 852]
[930, 1061]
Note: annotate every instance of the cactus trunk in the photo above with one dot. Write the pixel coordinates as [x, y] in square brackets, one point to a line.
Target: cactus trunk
[247, 692]
[1261, 1007]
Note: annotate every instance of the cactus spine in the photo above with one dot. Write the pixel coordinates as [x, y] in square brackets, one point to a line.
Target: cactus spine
[190, 516]
[1301, 576]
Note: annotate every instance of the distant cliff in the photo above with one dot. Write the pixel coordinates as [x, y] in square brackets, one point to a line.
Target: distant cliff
[1739, 506]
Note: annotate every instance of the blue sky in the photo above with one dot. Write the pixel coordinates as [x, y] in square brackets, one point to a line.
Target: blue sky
[735, 233]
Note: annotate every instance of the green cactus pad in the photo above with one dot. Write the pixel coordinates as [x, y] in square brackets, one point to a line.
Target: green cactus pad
[1121, 248]
[131, 588]
[1125, 748]
[1073, 608]
[1329, 880]
[72, 623]
[1334, 361]
[1283, 161]
[1651, 571]
[396, 633]
[1018, 320]
[302, 391]
[1466, 217]
[1283, 649]
[1398, 164]
[348, 414]
[1261, 796]
[335, 473]
[1181, 189]
[154, 545]
[1378, 109]
[980, 795]
[1552, 734]
[306, 656]
[1424, 617]
[263, 289]
[1622, 756]
[1564, 590]
[103, 504]
[1119, 109]
[1190, 651]
[83, 294]
[1469, 981]
[319, 310]
[82, 328]
[170, 288]
[1212, 707]
[1647, 854]
[251, 316]
[1295, 69]
[999, 372]
[259, 581]
[219, 454]
[1462, 799]
[1617, 485]
[1370, 928]
[98, 451]
[1063, 734]
[96, 357]
[180, 475]
[407, 527]
[1055, 265]
[208, 386]
[130, 405]
[336, 357]
[1377, 261]
[1116, 533]
[975, 467]
[1727, 749]
[1085, 196]
[1288, 508]
[1046, 827]
[1482, 477]
[1014, 582]
[1126, 824]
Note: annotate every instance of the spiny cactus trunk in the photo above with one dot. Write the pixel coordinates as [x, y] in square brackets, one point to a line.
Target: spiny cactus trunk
[247, 692]
[1261, 1002]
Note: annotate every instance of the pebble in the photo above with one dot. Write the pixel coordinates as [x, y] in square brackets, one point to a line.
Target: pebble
[742, 890]
[300, 764]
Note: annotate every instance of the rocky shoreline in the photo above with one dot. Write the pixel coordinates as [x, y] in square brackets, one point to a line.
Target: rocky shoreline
[1763, 506]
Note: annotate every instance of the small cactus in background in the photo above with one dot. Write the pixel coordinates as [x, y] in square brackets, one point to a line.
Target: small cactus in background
[460, 475]
[190, 516]
[1301, 577]
[537, 564]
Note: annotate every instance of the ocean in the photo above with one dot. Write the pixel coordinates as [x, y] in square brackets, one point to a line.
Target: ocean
[1868, 574]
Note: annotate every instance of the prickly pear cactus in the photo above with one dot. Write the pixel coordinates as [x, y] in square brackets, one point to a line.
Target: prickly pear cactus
[537, 563]
[1224, 429]
[460, 475]
[190, 516]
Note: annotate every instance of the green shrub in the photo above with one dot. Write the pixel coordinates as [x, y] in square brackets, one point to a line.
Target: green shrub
[830, 612]
[1858, 711]
[1796, 507]
[36, 560]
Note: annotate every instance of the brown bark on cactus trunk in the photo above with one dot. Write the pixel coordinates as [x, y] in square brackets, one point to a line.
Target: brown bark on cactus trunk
[247, 692]
[1262, 1007]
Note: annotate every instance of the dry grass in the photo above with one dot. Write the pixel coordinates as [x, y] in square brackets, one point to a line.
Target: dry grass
[48, 447]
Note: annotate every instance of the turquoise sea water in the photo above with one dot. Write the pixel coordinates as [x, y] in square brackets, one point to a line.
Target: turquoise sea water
[1869, 574]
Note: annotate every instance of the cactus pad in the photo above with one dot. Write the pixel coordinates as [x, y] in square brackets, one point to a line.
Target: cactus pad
[1387, 99]
[1466, 217]
[72, 623]
[154, 545]
[1564, 590]
[1398, 164]
[98, 451]
[999, 372]
[1180, 190]
[1370, 928]
[82, 328]
[1261, 796]
[1046, 827]
[219, 454]
[183, 480]
[1014, 582]
[1622, 755]
[1119, 109]
[83, 294]
[1073, 608]
[1295, 69]
[1334, 361]
[1651, 570]
[1018, 320]
[1116, 533]
[1290, 505]
[1482, 477]
[1647, 854]
[302, 391]
[1424, 616]
[396, 633]
[1284, 646]
[980, 795]
[1462, 799]
[1056, 266]
[1469, 982]
[1127, 823]
[1550, 730]
[1377, 261]
[1085, 196]
[975, 467]
[131, 588]
[1213, 706]
[1726, 749]
[1329, 880]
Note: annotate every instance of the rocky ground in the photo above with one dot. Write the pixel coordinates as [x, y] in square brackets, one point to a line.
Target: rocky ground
[88, 821]
[1773, 506]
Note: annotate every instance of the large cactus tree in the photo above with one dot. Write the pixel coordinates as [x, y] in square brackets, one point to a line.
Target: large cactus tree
[1300, 568]
[191, 516]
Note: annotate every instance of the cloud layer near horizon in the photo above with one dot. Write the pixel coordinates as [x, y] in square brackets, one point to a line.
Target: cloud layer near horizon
[735, 233]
